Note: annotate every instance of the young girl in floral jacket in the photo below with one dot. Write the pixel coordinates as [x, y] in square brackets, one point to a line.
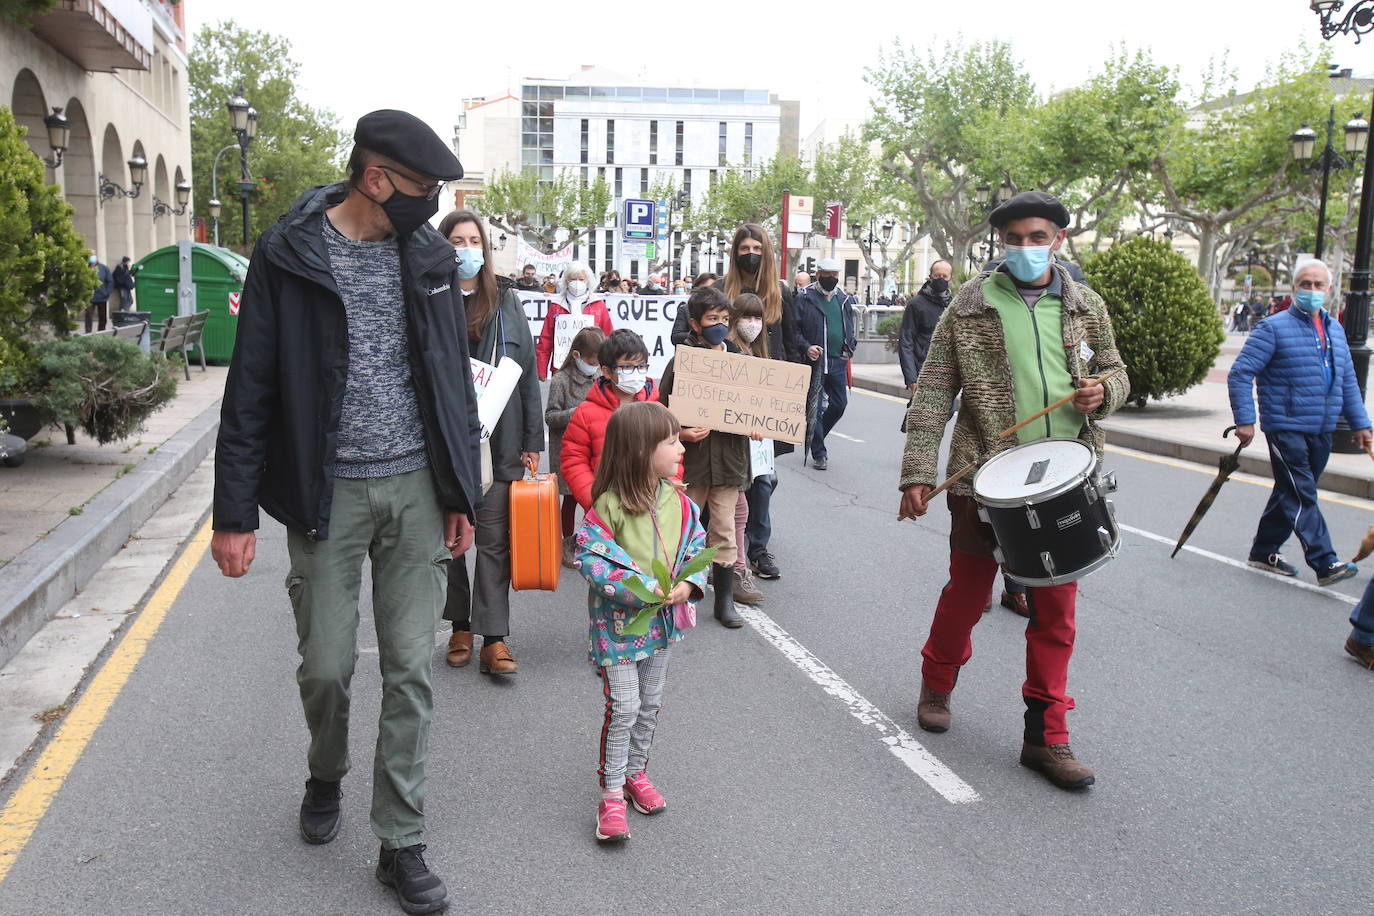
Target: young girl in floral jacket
[641, 535]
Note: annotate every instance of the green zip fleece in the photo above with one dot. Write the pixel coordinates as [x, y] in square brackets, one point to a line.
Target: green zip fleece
[1039, 364]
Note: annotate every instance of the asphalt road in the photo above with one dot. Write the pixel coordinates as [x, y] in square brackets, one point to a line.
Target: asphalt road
[1229, 732]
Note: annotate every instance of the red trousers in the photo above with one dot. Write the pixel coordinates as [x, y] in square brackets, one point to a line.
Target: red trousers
[1049, 642]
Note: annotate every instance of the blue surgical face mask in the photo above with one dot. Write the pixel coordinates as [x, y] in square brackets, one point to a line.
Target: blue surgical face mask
[587, 369]
[715, 334]
[1028, 263]
[1309, 300]
[470, 261]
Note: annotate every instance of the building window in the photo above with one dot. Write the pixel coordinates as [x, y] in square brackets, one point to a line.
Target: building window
[586, 175]
[644, 182]
[721, 157]
[585, 131]
[712, 177]
[610, 141]
[591, 250]
[600, 173]
[748, 144]
[653, 143]
[677, 156]
[610, 249]
[619, 184]
[687, 182]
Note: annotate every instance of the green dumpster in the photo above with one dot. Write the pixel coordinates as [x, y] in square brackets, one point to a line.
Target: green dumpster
[218, 275]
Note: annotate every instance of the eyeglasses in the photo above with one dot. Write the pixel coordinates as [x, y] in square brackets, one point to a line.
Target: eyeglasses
[427, 191]
[639, 369]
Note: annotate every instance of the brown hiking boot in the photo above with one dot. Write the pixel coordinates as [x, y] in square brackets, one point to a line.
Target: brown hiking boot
[1362, 654]
[496, 659]
[1057, 763]
[932, 710]
[745, 591]
[459, 650]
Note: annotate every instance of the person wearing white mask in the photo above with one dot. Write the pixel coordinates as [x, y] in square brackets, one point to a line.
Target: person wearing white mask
[1301, 365]
[575, 296]
[497, 329]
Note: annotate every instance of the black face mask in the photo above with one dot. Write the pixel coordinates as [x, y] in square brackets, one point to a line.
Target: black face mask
[828, 283]
[939, 285]
[749, 263]
[407, 212]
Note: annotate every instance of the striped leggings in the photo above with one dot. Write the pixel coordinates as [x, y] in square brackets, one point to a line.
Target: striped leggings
[634, 695]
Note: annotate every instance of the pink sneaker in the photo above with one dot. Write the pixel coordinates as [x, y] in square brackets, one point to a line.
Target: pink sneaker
[611, 826]
[643, 795]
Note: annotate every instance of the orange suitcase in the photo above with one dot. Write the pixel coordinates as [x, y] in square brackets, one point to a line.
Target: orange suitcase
[536, 532]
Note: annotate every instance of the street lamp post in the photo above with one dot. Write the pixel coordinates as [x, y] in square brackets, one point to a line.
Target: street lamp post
[243, 119]
[1356, 317]
[59, 137]
[1304, 142]
[866, 243]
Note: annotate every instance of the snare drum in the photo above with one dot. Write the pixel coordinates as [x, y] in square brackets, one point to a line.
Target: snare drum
[1048, 508]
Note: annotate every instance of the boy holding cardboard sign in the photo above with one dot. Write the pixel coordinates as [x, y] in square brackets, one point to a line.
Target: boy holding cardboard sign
[715, 465]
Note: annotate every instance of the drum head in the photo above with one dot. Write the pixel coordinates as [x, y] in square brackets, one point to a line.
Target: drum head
[1034, 471]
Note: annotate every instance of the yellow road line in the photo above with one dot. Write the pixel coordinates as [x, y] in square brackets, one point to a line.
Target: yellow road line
[30, 802]
[878, 394]
[1254, 481]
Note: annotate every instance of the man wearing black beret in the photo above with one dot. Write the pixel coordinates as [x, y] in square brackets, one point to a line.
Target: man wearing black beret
[349, 417]
[1016, 338]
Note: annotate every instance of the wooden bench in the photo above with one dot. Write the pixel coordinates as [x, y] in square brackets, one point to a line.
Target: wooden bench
[132, 332]
[179, 334]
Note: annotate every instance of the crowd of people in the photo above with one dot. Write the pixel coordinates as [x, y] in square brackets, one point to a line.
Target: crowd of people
[350, 416]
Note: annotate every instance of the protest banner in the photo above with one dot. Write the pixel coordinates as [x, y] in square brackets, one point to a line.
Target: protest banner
[544, 264]
[740, 394]
[651, 317]
[565, 328]
[493, 385]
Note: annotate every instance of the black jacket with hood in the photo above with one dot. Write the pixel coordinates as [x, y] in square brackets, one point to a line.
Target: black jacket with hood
[923, 310]
[279, 422]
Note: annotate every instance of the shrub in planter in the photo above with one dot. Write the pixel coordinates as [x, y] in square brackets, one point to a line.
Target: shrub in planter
[891, 328]
[104, 385]
[1166, 323]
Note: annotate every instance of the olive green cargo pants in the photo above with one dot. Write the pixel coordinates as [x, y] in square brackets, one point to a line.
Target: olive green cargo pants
[398, 523]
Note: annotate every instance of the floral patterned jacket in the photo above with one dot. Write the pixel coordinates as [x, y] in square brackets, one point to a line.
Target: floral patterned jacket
[611, 605]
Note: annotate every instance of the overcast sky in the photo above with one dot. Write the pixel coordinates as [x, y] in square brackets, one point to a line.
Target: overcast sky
[425, 56]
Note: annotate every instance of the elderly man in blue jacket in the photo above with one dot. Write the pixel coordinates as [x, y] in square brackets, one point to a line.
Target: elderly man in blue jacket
[1301, 364]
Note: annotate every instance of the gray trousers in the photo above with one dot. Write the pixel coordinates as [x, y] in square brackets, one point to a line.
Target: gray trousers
[634, 695]
[397, 522]
[490, 613]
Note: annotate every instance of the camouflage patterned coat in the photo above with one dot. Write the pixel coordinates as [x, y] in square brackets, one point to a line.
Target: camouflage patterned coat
[968, 354]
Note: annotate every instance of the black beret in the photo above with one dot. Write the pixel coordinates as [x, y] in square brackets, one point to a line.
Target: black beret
[1031, 203]
[401, 136]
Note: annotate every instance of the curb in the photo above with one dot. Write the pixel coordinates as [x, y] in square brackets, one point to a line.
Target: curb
[1332, 480]
[36, 584]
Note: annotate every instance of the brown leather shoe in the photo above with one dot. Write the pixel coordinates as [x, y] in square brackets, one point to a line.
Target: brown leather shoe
[496, 659]
[568, 546]
[1016, 603]
[932, 710]
[459, 650]
[1057, 764]
[1362, 654]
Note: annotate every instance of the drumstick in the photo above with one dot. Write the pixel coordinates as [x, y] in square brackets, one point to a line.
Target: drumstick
[956, 476]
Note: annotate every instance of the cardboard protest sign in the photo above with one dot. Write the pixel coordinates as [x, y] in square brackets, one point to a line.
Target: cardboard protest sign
[740, 394]
[565, 328]
[761, 458]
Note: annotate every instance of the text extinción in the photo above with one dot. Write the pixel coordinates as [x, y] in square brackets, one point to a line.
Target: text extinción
[740, 394]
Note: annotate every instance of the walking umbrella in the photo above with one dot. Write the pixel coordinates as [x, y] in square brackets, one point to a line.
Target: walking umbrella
[1226, 466]
[813, 405]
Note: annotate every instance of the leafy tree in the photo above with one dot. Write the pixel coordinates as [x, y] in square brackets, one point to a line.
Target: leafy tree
[933, 115]
[750, 195]
[547, 214]
[297, 146]
[1227, 177]
[47, 281]
[23, 11]
[1167, 326]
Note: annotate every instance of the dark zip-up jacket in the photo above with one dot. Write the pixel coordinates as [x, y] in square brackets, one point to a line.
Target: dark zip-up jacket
[923, 311]
[521, 426]
[279, 421]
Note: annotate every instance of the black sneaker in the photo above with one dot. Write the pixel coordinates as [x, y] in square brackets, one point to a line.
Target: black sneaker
[818, 462]
[418, 889]
[320, 815]
[1336, 572]
[1273, 563]
[763, 565]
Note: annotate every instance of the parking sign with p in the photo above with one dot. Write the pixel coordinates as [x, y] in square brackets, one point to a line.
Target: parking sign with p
[639, 222]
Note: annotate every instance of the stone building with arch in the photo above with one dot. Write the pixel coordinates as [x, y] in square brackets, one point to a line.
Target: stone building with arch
[117, 70]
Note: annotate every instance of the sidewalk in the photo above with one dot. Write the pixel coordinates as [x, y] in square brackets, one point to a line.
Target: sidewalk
[69, 508]
[1187, 427]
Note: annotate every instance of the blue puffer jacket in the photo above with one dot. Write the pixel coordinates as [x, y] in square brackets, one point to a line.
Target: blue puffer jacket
[1283, 355]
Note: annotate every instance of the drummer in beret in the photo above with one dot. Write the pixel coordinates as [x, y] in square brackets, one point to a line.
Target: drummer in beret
[1022, 343]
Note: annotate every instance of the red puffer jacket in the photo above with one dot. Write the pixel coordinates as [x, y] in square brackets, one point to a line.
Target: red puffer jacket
[586, 434]
[543, 350]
